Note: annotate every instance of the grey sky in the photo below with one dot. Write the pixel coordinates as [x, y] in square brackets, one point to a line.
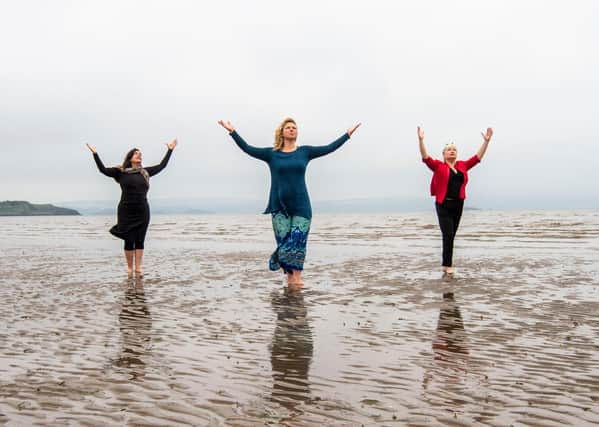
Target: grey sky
[122, 74]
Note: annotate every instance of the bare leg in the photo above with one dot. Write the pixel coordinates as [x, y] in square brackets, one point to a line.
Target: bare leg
[296, 278]
[129, 258]
[448, 271]
[139, 254]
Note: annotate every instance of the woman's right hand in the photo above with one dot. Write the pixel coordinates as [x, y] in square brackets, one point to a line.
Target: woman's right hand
[227, 125]
[423, 152]
[92, 149]
[172, 145]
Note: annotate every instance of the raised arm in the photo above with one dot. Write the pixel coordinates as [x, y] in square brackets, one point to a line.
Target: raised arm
[153, 170]
[111, 172]
[261, 153]
[423, 151]
[322, 150]
[483, 148]
[431, 163]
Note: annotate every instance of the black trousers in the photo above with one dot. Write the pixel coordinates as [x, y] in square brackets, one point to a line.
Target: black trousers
[131, 245]
[449, 213]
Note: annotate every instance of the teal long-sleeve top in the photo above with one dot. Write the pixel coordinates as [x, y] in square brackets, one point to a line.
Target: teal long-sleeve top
[288, 191]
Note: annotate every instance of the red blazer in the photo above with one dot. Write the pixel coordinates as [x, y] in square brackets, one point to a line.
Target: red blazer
[441, 175]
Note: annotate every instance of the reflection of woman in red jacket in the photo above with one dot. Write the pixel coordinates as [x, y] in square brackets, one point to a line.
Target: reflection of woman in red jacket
[448, 185]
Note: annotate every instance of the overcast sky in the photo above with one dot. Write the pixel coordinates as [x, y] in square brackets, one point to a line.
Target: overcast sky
[129, 74]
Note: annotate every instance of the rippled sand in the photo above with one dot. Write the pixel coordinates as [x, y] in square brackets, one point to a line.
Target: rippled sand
[377, 336]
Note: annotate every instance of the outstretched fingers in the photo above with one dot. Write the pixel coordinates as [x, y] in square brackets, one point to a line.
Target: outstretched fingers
[92, 149]
[227, 125]
[353, 128]
[487, 135]
[172, 144]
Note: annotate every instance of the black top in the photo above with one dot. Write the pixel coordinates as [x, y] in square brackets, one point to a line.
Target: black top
[456, 179]
[133, 185]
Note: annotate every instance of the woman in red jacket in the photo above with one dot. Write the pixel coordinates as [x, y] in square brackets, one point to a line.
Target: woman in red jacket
[448, 185]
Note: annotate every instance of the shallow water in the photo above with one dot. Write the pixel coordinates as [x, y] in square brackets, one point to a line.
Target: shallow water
[377, 336]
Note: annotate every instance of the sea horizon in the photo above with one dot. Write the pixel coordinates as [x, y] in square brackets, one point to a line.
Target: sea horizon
[354, 205]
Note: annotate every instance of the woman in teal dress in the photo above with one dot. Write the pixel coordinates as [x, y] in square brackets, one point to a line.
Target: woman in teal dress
[289, 202]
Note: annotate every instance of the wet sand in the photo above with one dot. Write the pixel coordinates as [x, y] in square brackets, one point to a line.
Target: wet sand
[377, 337]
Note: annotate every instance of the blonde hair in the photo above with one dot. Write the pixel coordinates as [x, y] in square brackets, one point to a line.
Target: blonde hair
[279, 141]
[451, 144]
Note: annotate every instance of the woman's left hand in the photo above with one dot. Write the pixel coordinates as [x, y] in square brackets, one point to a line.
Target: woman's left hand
[353, 129]
[487, 136]
[172, 145]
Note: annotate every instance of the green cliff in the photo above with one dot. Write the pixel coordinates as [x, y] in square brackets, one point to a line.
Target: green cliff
[20, 208]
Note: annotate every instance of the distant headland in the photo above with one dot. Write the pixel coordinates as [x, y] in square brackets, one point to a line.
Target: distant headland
[21, 208]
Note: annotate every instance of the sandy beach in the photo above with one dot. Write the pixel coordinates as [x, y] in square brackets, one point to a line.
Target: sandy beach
[210, 337]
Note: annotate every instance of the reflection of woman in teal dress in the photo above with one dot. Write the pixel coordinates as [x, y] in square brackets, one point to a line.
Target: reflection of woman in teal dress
[291, 349]
[289, 203]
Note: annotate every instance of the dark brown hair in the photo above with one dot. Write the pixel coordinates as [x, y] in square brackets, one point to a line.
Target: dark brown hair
[127, 161]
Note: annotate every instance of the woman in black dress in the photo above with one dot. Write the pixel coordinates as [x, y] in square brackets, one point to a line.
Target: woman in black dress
[133, 211]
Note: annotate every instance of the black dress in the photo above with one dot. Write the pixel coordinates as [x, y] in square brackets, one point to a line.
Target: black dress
[133, 214]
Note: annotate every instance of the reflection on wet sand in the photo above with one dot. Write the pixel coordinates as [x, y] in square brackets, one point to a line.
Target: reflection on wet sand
[135, 324]
[200, 341]
[450, 349]
[291, 349]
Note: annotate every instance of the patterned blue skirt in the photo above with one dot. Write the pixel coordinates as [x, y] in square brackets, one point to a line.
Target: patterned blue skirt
[291, 233]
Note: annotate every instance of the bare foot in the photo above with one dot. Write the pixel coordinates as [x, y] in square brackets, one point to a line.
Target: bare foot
[449, 270]
[296, 278]
[294, 286]
[139, 273]
[293, 281]
[129, 272]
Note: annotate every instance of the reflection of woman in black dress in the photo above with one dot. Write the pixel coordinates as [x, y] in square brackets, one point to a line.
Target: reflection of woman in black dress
[291, 349]
[133, 211]
[135, 324]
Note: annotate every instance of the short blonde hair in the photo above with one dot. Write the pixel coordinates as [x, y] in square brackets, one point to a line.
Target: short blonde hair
[448, 145]
[279, 142]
